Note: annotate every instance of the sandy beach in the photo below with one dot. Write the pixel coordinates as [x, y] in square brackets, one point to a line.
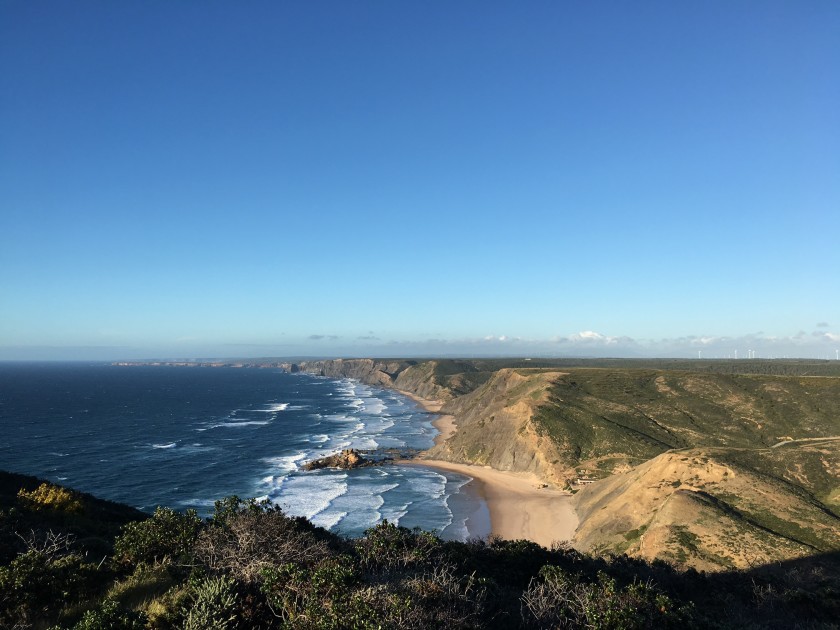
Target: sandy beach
[518, 504]
[519, 507]
[445, 424]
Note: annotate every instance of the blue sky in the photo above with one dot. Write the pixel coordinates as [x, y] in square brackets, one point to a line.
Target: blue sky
[201, 179]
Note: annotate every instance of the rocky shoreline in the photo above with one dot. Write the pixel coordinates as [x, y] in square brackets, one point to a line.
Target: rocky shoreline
[351, 458]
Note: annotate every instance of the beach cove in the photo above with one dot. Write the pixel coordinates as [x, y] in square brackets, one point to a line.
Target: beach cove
[520, 505]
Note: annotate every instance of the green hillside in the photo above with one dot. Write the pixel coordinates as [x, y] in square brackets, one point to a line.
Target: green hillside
[602, 418]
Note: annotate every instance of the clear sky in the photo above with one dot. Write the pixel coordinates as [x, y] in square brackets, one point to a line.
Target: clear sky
[211, 179]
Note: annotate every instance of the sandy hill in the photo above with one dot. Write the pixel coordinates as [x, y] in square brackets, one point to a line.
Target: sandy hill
[717, 508]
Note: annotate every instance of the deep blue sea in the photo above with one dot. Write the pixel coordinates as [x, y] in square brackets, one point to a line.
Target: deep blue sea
[185, 437]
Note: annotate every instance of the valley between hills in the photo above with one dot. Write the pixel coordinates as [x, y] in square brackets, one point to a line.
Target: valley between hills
[710, 465]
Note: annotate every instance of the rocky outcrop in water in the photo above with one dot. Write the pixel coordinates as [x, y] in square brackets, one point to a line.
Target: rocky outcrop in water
[346, 459]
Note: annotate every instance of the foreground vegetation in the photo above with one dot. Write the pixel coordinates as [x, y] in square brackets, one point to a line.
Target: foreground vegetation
[69, 560]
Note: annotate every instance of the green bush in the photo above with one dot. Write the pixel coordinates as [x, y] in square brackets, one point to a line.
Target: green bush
[214, 605]
[109, 616]
[557, 599]
[35, 586]
[387, 546]
[324, 597]
[167, 534]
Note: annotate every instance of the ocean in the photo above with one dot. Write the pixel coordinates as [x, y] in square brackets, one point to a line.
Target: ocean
[184, 437]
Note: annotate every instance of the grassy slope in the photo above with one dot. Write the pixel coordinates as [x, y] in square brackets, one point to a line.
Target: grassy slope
[604, 418]
[619, 419]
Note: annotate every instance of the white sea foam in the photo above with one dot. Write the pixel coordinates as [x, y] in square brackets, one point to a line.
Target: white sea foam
[274, 408]
[327, 520]
[431, 485]
[365, 443]
[394, 513]
[375, 406]
[240, 424]
[169, 445]
[285, 463]
[352, 502]
[362, 505]
[309, 495]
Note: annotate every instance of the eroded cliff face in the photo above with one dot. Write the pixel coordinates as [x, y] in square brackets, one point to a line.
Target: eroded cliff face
[495, 426]
[494, 421]
[712, 509]
[415, 377]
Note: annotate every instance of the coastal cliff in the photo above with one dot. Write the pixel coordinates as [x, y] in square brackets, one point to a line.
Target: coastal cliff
[496, 428]
[415, 377]
[494, 420]
[711, 465]
[666, 463]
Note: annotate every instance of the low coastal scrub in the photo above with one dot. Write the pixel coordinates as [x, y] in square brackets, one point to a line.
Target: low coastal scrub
[252, 566]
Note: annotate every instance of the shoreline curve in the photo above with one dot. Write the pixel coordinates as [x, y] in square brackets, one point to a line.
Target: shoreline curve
[520, 505]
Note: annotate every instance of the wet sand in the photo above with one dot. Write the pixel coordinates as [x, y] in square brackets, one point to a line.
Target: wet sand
[519, 507]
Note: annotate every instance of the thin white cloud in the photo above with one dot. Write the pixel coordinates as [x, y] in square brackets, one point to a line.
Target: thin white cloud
[588, 335]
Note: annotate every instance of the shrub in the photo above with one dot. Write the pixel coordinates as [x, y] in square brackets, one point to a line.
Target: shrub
[388, 546]
[560, 600]
[251, 537]
[35, 586]
[51, 497]
[167, 534]
[321, 597]
[214, 605]
[443, 598]
[109, 616]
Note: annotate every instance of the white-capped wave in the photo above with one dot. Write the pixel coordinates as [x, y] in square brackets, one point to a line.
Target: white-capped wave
[309, 495]
[274, 408]
[168, 445]
[285, 463]
[236, 425]
[375, 406]
[432, 484]
[362, 504]
[394, 513]
[328, 520]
